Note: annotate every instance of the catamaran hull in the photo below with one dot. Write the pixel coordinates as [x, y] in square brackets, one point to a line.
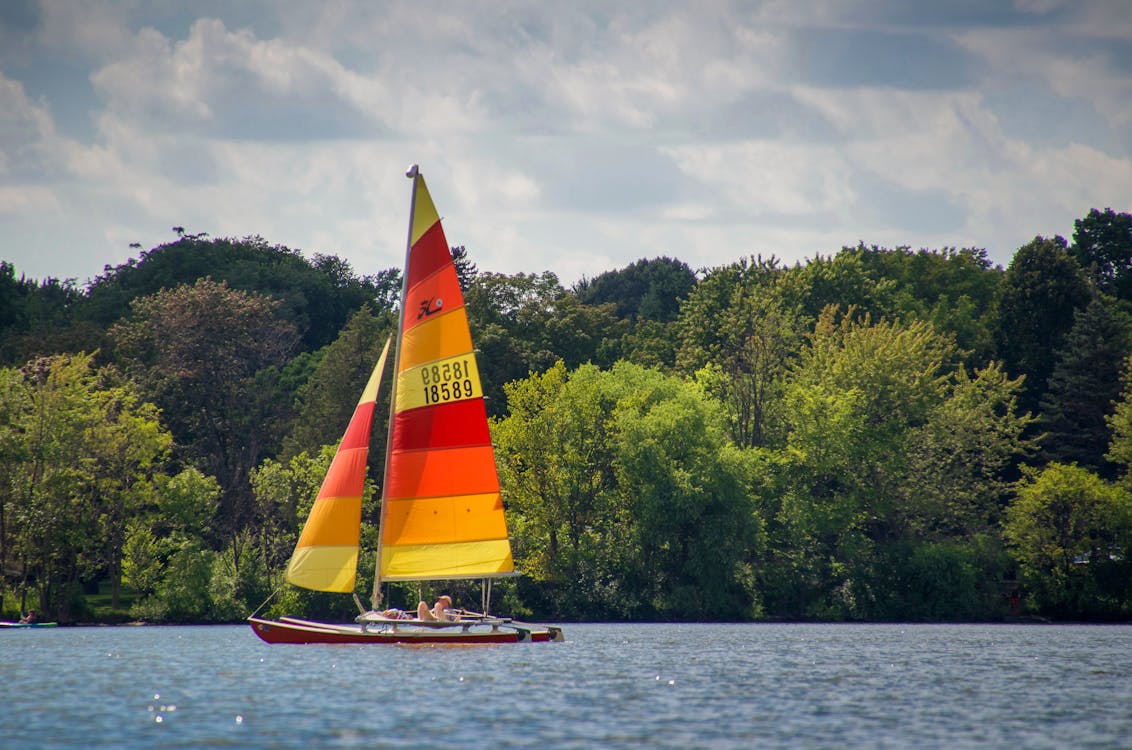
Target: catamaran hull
[304, 632]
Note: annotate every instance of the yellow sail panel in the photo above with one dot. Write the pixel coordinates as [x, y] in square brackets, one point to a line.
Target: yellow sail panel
[373, 385]
[326, 555]
[324, 568]
[459, 560]
[424, 212]
[468, 518]
[331, 522]
[437, 338]
[439, 382]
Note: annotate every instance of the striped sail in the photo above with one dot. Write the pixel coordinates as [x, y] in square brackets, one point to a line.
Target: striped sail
[442, 516]
[326, 556]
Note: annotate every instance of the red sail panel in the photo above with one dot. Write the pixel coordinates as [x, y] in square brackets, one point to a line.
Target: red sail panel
[358, 431]
[345, 478]
[431, 276]
[433, 473]
[452, 425]
[436, 294]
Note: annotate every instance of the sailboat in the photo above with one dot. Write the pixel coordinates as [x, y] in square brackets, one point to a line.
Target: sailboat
[441, 509]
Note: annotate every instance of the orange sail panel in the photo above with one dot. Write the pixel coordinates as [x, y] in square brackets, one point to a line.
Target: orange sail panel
[326, 556]
[442, 515]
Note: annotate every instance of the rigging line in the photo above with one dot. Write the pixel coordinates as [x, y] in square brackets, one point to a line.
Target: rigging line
[265, 601]
[485, 595]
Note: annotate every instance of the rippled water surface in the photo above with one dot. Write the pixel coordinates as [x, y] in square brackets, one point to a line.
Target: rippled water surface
[608, 686]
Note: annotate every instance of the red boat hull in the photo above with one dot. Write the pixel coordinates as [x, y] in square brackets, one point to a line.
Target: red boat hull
[303, 632]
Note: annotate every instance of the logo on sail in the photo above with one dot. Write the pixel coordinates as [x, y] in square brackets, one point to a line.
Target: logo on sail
[428, 309]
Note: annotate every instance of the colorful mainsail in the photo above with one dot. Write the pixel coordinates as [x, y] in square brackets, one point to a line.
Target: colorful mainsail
[326, 556]
[442, 516]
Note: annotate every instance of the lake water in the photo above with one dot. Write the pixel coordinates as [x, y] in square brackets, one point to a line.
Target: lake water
[607, 686]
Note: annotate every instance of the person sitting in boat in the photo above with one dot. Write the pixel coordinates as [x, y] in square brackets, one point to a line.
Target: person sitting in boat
[396, 614]
[29, 618]
[439, 612]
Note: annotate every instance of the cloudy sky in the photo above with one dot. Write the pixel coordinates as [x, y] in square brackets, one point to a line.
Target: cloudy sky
[574, 137]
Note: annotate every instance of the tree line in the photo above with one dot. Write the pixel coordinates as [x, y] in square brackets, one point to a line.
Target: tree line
[880, 434]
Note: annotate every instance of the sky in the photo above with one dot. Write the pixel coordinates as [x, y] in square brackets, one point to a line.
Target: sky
[571, 137]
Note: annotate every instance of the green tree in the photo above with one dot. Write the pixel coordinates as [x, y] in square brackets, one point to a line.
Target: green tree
[959, 459]
[952, 289]
[738, 334]
[143, 565]
[36, 318]
[524, 323]
[79, 451]
[1042, 289]
[625, 499]
[651, 344]
[1070, 531]
[128, 448]
[88, 448]
[844, 281]
[646, 289]
[849, 500]
[167, 560]
[938, 581]
[316, 297]
[328, 397]
[1102, 244]
[1084, 387]
[183, 592]
[556, 468]
[216, 388]
[688, 490]
[186, 502]
[14, 403]
[56, 526]
[1120, 424]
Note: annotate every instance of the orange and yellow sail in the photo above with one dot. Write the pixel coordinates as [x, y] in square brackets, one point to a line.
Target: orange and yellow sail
[326, 556]
[442, 516]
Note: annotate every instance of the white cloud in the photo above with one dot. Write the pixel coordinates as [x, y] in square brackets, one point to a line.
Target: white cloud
[26, 132]
[577, 139]
[231, 85]
[24, 200]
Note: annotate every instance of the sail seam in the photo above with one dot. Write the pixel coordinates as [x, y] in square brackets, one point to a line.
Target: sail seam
[405, 451]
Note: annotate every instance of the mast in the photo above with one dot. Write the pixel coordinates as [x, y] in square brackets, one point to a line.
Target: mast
[411, 173]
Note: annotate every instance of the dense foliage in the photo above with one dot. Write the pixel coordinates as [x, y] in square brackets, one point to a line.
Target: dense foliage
[879, 434]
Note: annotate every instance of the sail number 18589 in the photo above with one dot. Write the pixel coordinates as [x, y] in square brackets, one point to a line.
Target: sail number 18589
[450, 381]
